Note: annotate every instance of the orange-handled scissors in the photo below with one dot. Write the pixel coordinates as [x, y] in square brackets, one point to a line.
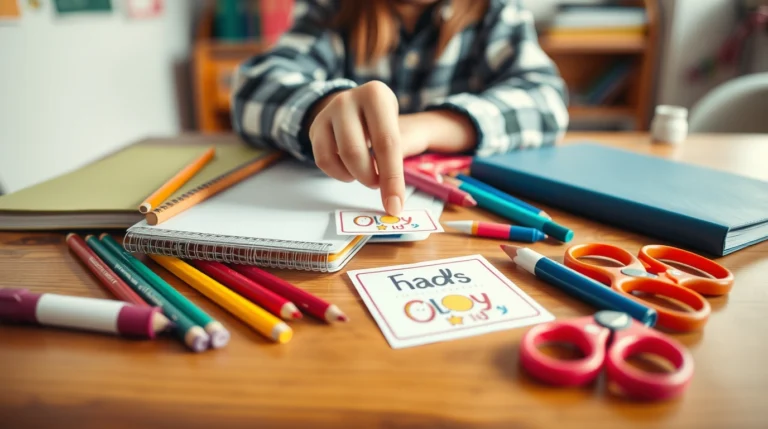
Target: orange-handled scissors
[647, 273]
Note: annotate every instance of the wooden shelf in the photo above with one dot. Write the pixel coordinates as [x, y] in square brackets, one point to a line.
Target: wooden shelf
[601, 44]
[596, 112]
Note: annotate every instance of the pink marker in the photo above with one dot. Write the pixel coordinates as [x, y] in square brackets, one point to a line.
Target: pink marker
[90, 314]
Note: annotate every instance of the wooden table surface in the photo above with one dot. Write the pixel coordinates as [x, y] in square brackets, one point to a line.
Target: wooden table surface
[348, 376]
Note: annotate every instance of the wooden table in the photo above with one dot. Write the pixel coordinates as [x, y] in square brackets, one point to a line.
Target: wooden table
[347, 375]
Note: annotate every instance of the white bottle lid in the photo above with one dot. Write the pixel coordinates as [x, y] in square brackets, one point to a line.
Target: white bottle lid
[670, 124]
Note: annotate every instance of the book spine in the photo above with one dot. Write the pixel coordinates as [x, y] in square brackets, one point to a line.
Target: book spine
[249, 251]
[276, 18]
[668, 226]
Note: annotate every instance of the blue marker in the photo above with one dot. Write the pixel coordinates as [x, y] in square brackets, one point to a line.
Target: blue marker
[501, 194]
[579, 285]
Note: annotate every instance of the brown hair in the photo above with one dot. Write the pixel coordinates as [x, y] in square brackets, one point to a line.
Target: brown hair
[373, 31]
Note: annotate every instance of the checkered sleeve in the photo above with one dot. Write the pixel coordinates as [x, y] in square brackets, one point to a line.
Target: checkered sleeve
[272, 92]
[523, 101]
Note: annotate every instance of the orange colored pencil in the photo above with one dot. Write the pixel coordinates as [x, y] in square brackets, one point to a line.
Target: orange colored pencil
[174, 183]
[197, 195]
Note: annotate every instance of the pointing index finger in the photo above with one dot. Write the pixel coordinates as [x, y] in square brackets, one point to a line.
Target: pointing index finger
[384, 131]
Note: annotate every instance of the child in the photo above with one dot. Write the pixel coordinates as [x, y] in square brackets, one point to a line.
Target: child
[355, 81]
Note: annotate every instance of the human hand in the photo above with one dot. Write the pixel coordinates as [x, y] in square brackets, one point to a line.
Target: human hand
[345, 125]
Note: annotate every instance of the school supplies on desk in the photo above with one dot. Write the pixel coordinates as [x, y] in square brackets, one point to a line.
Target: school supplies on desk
[177, 181]
[442, 300]
[691, 206]
[498, 230]
[515, 212]
[105, 193]
[647, 273]
[256, 317]
[209, 189]
[187, 331]
[579, 285]
[218, 333]
[503, 195]
[249, 289]
[311, 304]
[90, 314]
[106, 276]
[443, 191]
[282, 217]
[606, 339]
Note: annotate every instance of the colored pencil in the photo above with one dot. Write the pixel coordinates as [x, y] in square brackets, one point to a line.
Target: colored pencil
[202, 193]
[177, 181]
[501, 194]
[303, 299]
[74, 312]
[443, 191]
[106, 276]
[498, 230]
[514, 212]
[218, 333]
[254, 316]
[192, 335]
[578, 285]
[249, 289]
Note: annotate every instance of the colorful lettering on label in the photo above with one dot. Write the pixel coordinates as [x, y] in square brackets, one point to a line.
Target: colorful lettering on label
[457, 303]
[418, 311]
[437, 307]
[398, 226]
[363, 220]
[480, 316]
[406, 220]
[482, 300]
[390, 219]
[444, 278]
[502, 309]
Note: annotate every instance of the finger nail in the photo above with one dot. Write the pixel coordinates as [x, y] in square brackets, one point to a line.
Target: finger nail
[393, 206]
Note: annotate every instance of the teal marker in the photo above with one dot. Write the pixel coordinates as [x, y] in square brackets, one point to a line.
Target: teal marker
[217, 331]
[186, 330]
[516, 213]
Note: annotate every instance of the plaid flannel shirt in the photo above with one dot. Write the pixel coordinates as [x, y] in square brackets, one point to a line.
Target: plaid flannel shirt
[494, 72]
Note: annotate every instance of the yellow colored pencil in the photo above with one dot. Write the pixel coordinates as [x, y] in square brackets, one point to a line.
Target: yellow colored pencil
[177, 181]
[202, 193]
[256, 317]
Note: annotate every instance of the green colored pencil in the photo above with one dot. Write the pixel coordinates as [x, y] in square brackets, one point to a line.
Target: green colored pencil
[514, 212]
[186, 330]
[217, 331]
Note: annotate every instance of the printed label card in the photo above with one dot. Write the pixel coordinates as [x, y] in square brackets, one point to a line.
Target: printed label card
[350, 222]
[443, 300]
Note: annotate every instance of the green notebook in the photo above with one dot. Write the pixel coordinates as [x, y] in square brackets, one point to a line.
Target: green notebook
[107, 193]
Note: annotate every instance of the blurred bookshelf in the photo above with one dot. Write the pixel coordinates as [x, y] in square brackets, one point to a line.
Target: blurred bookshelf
[607, 52]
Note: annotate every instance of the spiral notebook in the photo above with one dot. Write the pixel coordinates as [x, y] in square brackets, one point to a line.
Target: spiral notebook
[281, 217]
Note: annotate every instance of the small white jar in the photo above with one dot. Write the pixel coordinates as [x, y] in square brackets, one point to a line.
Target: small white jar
[669, 124]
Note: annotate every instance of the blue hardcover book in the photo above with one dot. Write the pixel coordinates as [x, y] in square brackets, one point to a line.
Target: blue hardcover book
[689, 206]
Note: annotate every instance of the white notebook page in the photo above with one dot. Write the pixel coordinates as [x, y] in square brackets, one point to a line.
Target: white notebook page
[287, 201]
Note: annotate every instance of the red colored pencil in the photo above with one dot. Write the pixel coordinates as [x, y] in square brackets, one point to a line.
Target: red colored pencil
[445, 192]
[306, 301]
[249, 289]
[106, 276]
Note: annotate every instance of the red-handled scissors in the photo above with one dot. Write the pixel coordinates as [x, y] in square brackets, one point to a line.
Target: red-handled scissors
[607, 339]
[647, 273]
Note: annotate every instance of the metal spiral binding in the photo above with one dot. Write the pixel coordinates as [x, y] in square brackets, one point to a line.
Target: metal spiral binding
[237, 250]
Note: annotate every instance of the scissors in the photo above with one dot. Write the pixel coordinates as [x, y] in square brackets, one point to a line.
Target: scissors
[647, 273]
[607, 338]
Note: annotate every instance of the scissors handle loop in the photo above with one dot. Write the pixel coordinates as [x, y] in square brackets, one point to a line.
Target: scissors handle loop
[677, 320]
[582, 333]
[605, 275]
[719, 283]
[641, 384]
